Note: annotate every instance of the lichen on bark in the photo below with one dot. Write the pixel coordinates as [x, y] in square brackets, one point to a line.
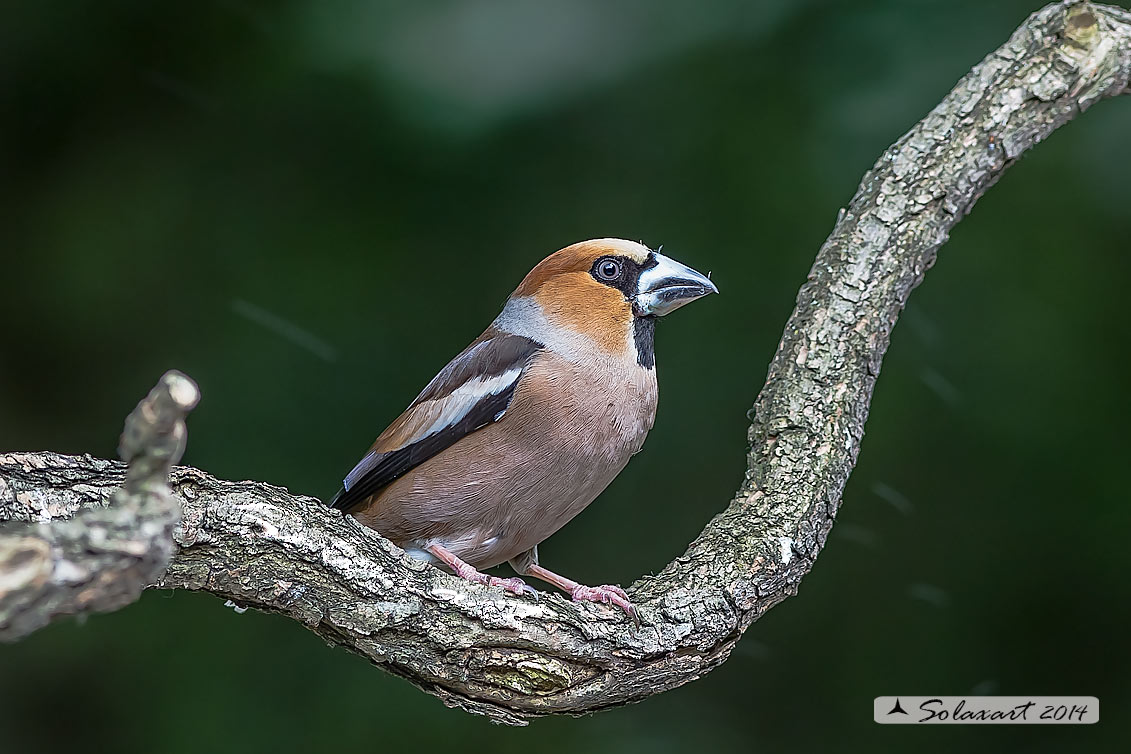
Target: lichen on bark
[512, 658]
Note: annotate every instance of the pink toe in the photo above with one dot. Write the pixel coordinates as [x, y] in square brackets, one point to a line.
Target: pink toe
[615, 589]
[514, 585]
[609, 595]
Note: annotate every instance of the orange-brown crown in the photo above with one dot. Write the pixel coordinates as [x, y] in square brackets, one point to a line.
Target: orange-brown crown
[579, 258]
[567, 292]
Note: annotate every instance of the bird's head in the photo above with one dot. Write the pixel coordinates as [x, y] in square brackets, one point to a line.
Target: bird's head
[605, 290]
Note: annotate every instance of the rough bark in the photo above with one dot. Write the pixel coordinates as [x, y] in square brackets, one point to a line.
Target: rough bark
[67, 556]
[512, 658]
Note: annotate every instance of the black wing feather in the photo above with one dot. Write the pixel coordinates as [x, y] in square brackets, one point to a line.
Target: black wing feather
[500, 354]
[388, 466]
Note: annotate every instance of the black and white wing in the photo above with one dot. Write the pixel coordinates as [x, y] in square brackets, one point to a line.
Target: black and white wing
[472, 391]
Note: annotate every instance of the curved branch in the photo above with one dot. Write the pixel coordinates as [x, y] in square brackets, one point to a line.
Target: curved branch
[103, 557]
[512, 658]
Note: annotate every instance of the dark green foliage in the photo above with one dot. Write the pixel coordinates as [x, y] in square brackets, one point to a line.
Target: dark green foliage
[311, 211]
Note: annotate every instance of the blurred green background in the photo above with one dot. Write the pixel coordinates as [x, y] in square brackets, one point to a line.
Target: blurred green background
[310, 207]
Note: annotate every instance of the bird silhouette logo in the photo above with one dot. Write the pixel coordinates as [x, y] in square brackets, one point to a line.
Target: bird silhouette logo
[898, 708]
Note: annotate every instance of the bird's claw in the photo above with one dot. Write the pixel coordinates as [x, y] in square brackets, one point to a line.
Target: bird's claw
[608, 594]
[514, 585]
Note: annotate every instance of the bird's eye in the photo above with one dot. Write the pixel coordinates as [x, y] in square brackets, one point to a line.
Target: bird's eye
[608, 269]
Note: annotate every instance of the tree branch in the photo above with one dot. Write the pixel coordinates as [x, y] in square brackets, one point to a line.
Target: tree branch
[511, 658]
[103, 557]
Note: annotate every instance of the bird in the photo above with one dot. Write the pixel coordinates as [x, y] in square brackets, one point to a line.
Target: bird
[531, 422]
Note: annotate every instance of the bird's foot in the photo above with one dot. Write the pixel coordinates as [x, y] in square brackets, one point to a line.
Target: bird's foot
[608, 594]
[467, 572]
[514, 585]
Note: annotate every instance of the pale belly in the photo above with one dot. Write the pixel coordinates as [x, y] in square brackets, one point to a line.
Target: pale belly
[490, 500]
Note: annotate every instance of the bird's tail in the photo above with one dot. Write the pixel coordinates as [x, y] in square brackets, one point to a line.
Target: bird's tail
[336, 501]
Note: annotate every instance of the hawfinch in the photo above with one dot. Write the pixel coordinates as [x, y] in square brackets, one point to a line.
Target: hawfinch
[531, 421]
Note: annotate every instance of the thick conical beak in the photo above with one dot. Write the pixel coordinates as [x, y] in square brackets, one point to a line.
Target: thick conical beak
[668, 285]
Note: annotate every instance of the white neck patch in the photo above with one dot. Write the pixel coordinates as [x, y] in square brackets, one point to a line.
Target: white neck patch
[524, 316]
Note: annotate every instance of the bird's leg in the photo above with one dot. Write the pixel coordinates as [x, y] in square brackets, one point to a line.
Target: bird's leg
[467, 571]
[609, 594]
